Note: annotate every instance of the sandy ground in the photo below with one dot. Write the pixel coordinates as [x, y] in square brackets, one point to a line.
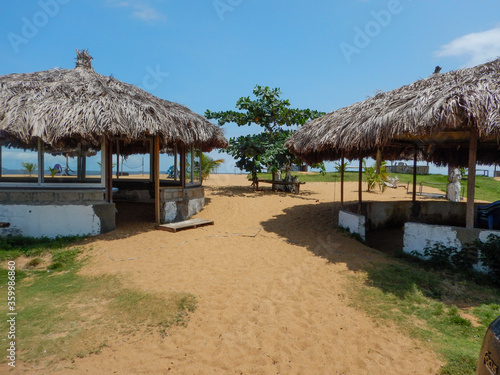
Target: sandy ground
[272, 282]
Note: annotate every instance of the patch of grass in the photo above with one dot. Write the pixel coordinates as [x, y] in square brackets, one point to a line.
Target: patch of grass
[460, 365]
[152, 310]
[35, 262]
[316, 176]
[20, 274]
[62, 315]
[433, 306]
[486, 188]
[12, 247]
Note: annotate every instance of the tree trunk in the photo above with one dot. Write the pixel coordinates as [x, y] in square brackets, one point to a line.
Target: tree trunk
[277, 177]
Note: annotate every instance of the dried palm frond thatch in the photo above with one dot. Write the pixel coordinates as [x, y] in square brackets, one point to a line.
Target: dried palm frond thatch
[65, 106]
[435, 115]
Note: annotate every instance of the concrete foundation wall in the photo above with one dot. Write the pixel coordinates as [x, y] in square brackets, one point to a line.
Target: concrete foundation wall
[49, 220]
[352, 222]
[52, 213]
[418, 236]
[44, 196]
[178, 204]
[381, 215]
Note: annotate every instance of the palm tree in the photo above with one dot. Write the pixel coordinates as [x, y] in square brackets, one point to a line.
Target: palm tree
[209, 165]
[29, 167]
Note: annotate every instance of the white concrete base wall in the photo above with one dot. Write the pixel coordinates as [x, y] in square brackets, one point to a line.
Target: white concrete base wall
[419, 236]
[483, 237]
[50, 220]
[170, 209]
[354, 223]
[195, 206]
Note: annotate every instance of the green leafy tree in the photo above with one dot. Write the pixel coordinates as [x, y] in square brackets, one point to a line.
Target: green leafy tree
[266, 149]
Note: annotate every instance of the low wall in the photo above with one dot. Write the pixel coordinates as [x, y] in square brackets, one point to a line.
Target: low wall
[52, 213]
[418, 236]
[352, 222]
[380, 215]
[426, 224]
[50, 196]
[179, 204]
[403, 168]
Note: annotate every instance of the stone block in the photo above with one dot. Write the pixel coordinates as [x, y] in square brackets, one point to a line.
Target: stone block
[20, 197]
[94, 196]
[4, 197]
[197, 192]
[43, 196]
[68, 196]
[171, 194]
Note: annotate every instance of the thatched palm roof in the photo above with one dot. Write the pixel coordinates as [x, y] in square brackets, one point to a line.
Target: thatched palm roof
[436, 114]
[64, 106]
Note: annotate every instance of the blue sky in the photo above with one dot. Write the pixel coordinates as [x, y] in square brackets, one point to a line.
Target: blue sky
[206, 54]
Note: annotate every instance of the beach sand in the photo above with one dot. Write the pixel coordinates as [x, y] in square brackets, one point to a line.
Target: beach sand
[272, 280]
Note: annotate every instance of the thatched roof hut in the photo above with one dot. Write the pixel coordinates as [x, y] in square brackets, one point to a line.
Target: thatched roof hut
[78, 112]
[435, 114]
[65, 106]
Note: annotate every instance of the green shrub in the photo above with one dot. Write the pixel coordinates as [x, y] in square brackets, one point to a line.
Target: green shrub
[489, 254]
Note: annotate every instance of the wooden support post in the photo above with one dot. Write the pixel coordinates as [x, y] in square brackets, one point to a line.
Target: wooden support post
[108, 170]
[82, 162]
[414, 195]
[183, 167]
[360, 182]
[342, 181]
[156, 176]
[471, 179]
[41, 166]
[378, 161]
[176, 162]
[117, 158]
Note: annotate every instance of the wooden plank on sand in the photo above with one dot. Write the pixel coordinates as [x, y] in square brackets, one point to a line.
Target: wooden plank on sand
[191, 223]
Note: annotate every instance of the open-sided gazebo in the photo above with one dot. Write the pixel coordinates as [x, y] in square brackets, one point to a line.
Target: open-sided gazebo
[87, 117]
[449, 119]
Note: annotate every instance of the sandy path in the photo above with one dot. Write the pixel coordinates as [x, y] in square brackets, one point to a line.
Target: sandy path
[270, 278]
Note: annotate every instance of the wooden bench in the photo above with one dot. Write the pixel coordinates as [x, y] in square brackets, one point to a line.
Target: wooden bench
[274, 182]
[488, 216]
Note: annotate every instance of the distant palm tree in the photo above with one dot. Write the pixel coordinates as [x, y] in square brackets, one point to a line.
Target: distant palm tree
[209, 165]
[29, 167]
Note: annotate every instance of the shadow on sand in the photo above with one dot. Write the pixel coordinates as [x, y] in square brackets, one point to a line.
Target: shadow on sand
[250, 192]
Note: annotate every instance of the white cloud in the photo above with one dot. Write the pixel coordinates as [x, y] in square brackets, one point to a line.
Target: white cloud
[148, 14]
[141, 9]
[480, 47]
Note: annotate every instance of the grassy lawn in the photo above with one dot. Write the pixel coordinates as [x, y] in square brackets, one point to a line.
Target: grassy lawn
[487, 188]
[62, 315]
[439, 307]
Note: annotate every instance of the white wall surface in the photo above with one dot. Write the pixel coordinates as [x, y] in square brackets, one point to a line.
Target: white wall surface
[50, 220]
[419, 236]
[353, 222]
